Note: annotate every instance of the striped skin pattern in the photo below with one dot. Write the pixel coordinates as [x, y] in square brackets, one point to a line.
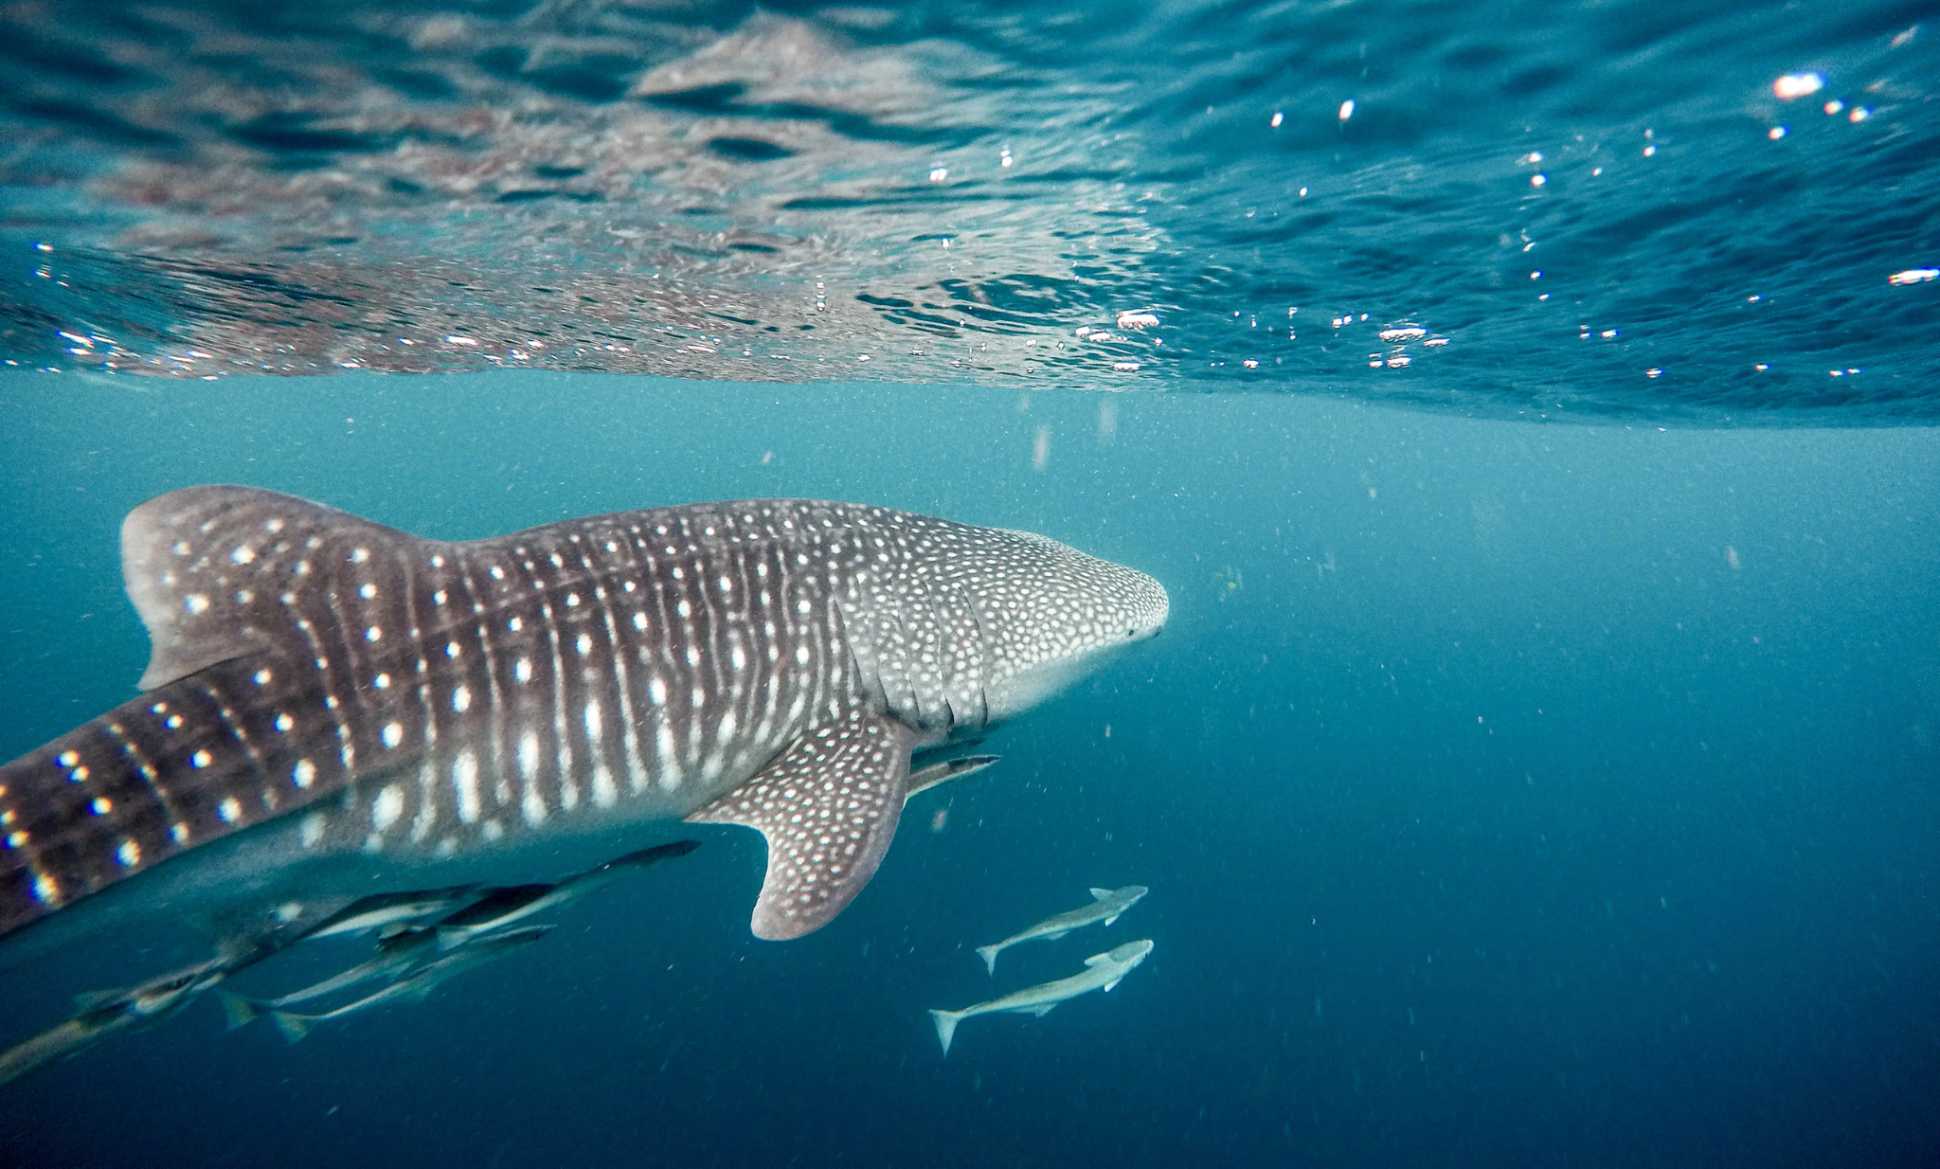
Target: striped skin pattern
[768, 663]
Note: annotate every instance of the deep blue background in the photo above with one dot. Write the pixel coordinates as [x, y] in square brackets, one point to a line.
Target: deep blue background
[1491, 815]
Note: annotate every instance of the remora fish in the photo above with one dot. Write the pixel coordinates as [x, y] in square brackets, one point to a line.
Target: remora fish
[371, 701]
[413, 986]
[105, 1013]
[502, 906]
[1106, 905]
[397, 956]
[381, 911]
[937, 774]
[1101, 972]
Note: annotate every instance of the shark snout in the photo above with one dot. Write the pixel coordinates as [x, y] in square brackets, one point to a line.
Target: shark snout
[1148, 613]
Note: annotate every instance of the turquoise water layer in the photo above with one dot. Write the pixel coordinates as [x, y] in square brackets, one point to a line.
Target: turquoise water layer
[1508, 793]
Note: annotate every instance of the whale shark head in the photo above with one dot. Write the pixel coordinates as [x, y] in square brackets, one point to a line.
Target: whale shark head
[1052, 614]
[972, 625]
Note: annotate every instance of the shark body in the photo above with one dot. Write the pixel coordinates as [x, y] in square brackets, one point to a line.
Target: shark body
[1102, 972]
[1106, 905]
[333, 705]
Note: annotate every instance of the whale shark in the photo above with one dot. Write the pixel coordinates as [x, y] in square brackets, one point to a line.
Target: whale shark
[332, 706]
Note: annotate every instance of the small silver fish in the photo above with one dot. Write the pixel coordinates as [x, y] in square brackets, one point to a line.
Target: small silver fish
[104, 1013]
[937, 774]
[385, 910]
[1101, 972]
[398, 956]
[502, 906]
[1106, 905]
[415, 985]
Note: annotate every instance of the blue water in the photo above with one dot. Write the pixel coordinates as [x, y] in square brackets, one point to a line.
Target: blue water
[1541, 766]
[1491, 815]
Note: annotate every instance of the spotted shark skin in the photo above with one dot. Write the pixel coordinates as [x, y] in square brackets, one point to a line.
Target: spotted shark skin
[770, 663]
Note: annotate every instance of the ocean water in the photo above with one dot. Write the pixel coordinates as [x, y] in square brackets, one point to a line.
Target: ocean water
[1541, 765]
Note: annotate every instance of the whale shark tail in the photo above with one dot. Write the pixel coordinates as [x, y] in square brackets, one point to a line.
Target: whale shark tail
[946, 1027]
[989, 956]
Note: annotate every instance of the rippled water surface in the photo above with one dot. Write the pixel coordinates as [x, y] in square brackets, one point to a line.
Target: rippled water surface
[1715, 212]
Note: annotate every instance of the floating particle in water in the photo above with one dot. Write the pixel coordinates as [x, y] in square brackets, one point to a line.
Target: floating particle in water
[1731, 558]
[1141, 319]
[1278, 118]
[1538, 180]
[939, 173]
[1251, 363]
[1797, 85]
[1347, 109]
[1775, 133]
[1107, 421]
[1041, 448]
[1858, 114]
[1914, 276]
[1834, 107]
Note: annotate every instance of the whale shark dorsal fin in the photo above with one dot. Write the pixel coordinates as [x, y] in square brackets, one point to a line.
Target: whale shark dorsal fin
[207, 568]
[1095, 959]
[837, 792]
[1102, 894]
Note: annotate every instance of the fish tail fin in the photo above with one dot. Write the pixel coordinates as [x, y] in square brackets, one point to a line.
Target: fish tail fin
[293, 1026]
[239, 1009]
[989, 956]
[946, 1027]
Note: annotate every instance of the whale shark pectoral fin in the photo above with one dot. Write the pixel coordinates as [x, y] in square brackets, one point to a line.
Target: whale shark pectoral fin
[828, 806]
[1039, 1012]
